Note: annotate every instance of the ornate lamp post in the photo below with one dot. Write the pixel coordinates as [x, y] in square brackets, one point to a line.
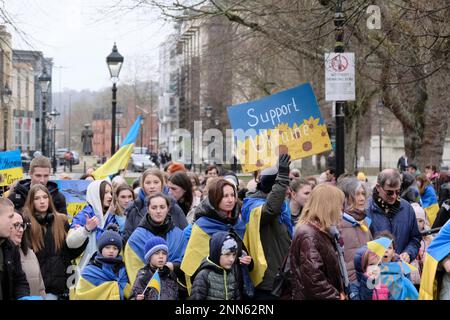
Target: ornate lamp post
[54, 114]
[6, 96]
[114, 62]
[44, 81]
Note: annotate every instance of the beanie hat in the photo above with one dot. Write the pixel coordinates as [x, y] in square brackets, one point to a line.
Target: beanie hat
[267, 179]
[420, 214]
[109, 237]
[221, 243]
[176, 166]
[153, 245]
[233, 179]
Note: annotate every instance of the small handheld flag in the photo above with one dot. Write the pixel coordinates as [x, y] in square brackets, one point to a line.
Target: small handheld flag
[155, 282]
[379, 246]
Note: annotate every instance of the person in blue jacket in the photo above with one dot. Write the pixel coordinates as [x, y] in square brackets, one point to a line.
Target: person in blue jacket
[389, 212]
[90, 222]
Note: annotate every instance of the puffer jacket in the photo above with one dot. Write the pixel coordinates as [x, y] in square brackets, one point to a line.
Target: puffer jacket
[169, 286]
[354, 236]
[137, 210]
[20, 193]
[213, 282]
[314, 265]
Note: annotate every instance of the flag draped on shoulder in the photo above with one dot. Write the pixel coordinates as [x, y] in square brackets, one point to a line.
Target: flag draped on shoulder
[120, 159]
[430, 204]
[437, 251]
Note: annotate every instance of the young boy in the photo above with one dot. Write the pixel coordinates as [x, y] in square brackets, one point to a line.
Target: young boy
[216, 278]
[105, 277]
[156, 256]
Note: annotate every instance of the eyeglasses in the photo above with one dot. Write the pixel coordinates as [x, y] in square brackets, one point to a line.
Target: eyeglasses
[390, 193]
[19, 225]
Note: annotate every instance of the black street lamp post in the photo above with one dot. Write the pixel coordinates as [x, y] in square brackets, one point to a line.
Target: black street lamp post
[380, 106]
[44, 81]
[114, 62]
[6, 96]
[54, 114]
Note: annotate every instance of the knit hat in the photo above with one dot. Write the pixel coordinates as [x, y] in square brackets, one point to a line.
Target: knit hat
[267, 179]
[176, 166]
[153, 245]
[232, 178]
[221, 243]
[109, 237]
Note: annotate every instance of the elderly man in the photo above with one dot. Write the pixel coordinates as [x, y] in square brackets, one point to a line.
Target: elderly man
[389, 212]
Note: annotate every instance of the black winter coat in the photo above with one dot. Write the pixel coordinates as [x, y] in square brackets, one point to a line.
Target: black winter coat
[55, 264]
[13, 282]
[20, 192]
[169, 285]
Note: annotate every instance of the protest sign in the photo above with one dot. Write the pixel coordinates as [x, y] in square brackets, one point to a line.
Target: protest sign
[10, 167]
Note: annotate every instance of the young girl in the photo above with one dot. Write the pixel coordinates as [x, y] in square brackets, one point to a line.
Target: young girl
[48, 241]
[180, 187]
[105, 277]
[90, 222]
[156, 252]
[299, 191]
[123, 196]
[152, 182]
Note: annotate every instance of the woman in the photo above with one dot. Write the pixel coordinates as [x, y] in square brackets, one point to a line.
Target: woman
[152, 182]
[180, 187]
[30, 264]
[300, 189]
[313, 259]
[219, 211]
[157, 222]
[90, 222]
[353, 226]
[123, 196]
[48, 240]
[428, 197]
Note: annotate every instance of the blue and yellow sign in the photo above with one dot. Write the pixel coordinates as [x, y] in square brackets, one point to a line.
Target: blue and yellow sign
[10, 167]
[75, 193]
[285, 122]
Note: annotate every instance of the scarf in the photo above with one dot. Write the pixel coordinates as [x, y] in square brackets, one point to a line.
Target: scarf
[389, 209]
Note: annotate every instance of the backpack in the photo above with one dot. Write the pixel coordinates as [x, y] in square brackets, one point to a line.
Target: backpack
[282, 284]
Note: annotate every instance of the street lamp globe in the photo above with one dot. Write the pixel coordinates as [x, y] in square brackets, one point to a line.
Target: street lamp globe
[114, 62]
[6, 94]
[55, 113]
[44, 80]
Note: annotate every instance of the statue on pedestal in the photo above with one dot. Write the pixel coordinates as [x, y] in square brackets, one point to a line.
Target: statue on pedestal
[86, 138]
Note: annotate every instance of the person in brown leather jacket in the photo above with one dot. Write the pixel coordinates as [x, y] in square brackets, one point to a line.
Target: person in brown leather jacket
[314, 260]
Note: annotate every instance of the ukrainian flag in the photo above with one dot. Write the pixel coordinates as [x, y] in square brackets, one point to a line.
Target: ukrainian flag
[408, 268]
[437, 251]
[155, 282]
[120, 159]
[430, 203]
[379, 246]
[10, 167]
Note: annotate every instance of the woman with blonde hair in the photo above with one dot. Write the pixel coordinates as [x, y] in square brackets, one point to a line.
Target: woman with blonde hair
[48, 240]
[313, 258]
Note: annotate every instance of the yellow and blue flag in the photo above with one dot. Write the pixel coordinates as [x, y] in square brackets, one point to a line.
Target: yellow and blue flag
[120, 159]
[408, 268]
[155, 282]
[437, 251]
[379, 246]
[430, 203]
[10, 167]
[400, 287]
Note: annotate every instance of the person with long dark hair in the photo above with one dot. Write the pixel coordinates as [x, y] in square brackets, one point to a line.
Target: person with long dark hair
[48, 240]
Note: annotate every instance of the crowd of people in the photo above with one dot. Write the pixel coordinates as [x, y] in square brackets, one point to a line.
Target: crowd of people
[178, 235]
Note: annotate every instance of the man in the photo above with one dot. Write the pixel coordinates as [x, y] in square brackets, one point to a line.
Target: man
[40, 169]
[275, 227]
[388, 212]
[13, 282]
[211, 172]
[402, 163]
[68, 157]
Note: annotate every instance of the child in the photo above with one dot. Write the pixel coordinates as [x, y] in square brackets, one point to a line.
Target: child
[216, 277]
[422, 222]
[156, 257]
[368, 286]
[105, 277]
[393, 273]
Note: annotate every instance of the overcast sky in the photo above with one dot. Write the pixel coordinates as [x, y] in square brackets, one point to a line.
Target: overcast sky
[78, 35]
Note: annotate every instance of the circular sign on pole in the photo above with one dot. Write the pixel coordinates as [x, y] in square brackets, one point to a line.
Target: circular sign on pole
[339, 63]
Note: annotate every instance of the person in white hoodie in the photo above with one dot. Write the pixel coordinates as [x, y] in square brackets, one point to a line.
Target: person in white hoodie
[90, 222]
